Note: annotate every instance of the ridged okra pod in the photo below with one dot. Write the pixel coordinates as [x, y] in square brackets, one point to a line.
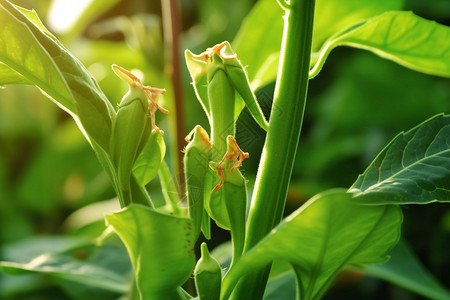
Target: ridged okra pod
[217, 75]
[232, 190]
[132, 126]
[200, 69]
[196, 165]
[221, 103]
[208, 276]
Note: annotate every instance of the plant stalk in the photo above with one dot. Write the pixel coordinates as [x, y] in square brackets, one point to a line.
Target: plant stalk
[274, 173]
[172, 27]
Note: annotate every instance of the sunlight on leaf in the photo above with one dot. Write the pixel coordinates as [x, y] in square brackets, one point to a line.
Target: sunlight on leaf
[319, 239]
[160, 247]
[413, 168]
[20, 50]
[259, 38]
[9, 76]
[332, 16]
[402, 37]
[30, 50]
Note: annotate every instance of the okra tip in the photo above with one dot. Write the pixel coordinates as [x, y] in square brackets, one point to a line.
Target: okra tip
[126, 75]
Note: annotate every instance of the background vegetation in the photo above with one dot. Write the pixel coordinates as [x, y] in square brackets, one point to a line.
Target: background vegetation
[51, 183]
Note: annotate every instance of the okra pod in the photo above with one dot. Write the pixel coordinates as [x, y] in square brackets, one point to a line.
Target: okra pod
[217, 75]
[221, 102]
[208, 276]
[196, 165]
[131, 128]
[232, 188]
[200, 68]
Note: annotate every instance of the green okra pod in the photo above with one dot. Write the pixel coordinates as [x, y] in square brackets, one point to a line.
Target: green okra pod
[200, 69]
[232, 188]
[217, 75]
[196, 165]
[131, 128]
[221, 103]
[208, 276]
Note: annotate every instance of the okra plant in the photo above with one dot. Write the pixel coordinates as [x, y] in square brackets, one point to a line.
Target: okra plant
[357, 227]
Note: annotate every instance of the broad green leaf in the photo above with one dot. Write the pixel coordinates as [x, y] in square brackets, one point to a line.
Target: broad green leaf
[21, 52]
[320, 238]
[102, 267]
[160, 247]
[332, 16]
[79, 291]
[405, 270]
[220, 20]
[8, 76]
[281, 287]
[413, 168]
[259, 36]
[223, 253]
[402, 37]
[33, 17]
[21, 251]
[31, 51]
[11, 286]
[259, 40]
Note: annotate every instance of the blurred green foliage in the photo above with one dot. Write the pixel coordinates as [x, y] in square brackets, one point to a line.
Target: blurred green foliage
[356, 105]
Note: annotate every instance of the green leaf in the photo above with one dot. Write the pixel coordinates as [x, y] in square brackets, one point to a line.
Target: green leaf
[402, 37]
[35, 246]
[259, 38]
[33, 17]
[30, 50]
[414, 167]
[160, 247]
[332, 16]
[21, 52]
[147, 164]
[319, 239]
[102, 267]
[281, 286]
[405, 270]
[8, 76]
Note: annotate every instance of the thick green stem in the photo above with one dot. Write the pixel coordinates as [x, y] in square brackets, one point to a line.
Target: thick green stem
[277, 159]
